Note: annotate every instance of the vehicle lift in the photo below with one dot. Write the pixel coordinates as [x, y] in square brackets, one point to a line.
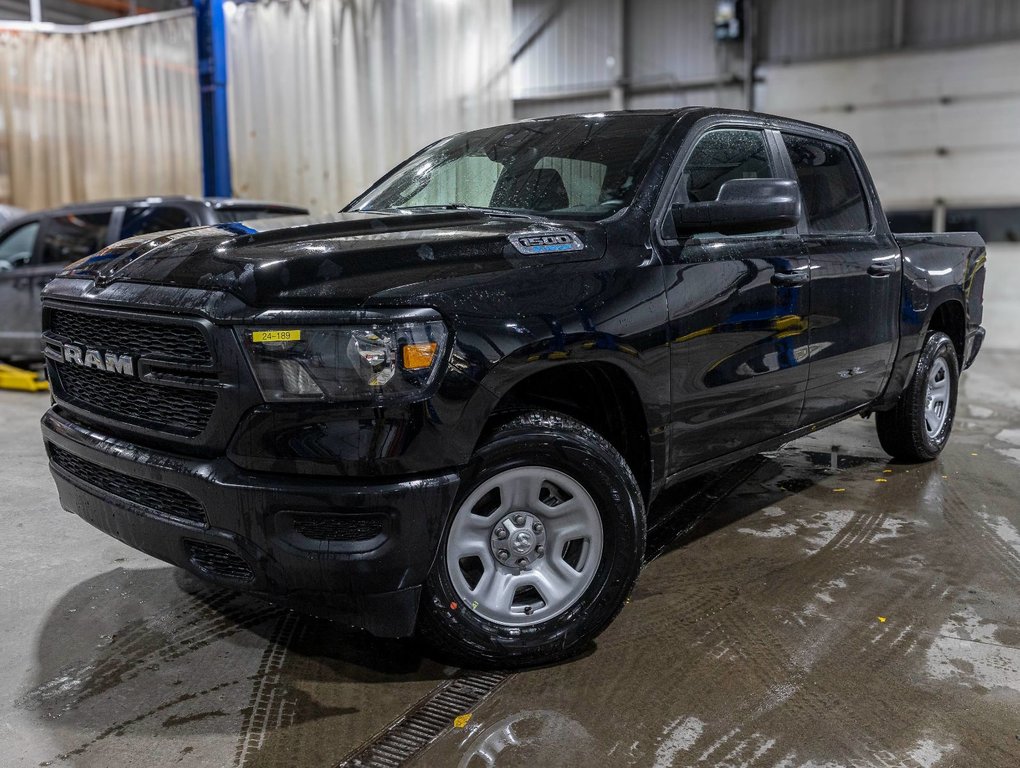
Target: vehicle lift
[20, 379]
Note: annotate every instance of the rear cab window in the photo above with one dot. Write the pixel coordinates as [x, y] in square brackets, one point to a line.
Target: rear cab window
[830, 186]
[250, 213]
[74, 236]
[146, 220]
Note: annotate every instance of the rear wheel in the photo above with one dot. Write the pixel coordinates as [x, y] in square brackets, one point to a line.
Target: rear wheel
[918, 428]
[541, 549]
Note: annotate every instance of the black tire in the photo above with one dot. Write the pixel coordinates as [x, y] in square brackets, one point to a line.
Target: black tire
[902, 431]
[541, 438]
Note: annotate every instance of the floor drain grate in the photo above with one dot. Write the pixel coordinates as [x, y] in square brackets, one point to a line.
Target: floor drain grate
[425, 721]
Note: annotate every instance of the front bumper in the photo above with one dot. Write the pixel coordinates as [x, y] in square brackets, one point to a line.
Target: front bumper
[354, 551]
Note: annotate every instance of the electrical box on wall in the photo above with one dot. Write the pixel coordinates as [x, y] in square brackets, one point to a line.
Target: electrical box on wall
[729, 20]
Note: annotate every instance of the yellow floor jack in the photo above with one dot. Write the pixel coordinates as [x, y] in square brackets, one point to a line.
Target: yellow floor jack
[20, 379]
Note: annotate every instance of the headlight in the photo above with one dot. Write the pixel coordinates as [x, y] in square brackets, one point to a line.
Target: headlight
[374, 363]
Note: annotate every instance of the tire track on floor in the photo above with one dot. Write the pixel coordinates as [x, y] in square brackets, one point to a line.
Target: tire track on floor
[208, 616]
[268, 707]
[975, 528]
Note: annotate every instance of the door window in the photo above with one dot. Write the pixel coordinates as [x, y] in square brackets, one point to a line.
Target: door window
[16, 249]
[73, 237]
[832, 192]
[718, 157]
[155, 218]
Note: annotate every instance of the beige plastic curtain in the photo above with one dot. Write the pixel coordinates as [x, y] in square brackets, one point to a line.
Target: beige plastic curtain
[86, 116]
[327, 95]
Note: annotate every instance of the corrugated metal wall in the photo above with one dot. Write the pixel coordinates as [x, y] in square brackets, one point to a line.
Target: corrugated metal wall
[670, 45]
[573, 50]
[797, 30]
[671, 56]
[954, 22]
[933, 103]
[672, 40]
[803, 30]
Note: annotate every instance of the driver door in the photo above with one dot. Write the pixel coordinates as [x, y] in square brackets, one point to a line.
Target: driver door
[738, 307]
[18, 250]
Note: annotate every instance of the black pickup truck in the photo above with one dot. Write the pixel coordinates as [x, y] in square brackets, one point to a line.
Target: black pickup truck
[447, 408]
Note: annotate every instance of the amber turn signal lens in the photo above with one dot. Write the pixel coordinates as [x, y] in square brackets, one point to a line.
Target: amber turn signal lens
[419, 356]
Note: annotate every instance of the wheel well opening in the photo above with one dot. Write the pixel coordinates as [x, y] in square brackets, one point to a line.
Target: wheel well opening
[599, 395]
[950, 320]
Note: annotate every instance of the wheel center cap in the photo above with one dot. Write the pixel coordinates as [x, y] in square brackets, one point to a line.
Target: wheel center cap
[518, 540]
[522, 542]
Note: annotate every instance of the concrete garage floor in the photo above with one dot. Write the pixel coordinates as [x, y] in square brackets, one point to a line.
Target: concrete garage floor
[794, 615]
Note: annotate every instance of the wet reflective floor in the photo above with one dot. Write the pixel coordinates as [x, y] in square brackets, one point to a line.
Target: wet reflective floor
[803, 608]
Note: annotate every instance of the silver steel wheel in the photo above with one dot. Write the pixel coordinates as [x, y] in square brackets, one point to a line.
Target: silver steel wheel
[524, 546]
[936, 399]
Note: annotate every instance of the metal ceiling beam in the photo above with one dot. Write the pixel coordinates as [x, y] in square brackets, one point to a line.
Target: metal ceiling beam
[123, 7]
[94, 26]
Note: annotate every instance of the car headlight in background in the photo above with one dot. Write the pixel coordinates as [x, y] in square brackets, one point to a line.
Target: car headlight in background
[381, 362]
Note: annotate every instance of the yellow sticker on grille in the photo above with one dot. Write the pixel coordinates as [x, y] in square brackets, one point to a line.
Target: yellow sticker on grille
[260, 337]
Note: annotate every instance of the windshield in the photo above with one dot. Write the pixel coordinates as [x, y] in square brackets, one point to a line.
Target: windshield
[577, 167]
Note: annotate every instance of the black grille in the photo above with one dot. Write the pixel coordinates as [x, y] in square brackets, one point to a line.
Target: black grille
[135, 337]
[338, 527]
[160, 498]
[219, 561]
[184, 411]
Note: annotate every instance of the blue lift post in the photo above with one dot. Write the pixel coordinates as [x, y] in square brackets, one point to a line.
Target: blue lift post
[211, 32]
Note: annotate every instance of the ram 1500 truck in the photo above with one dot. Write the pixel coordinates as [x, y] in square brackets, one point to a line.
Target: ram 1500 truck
[447, 408]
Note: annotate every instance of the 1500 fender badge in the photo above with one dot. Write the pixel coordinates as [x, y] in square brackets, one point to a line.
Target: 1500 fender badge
[549, 242]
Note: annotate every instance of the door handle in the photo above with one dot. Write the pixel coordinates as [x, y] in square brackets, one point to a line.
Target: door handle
[786, 279]
[881, 269]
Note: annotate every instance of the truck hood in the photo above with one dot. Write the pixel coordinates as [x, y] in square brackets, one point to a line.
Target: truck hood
[341, 260]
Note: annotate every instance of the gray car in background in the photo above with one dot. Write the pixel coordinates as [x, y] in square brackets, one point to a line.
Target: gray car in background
[36, 246]
[9, 212]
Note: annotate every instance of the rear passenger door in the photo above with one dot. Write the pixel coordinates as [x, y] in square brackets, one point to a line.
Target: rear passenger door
[17, 251]
[737, 307]
[855, 277]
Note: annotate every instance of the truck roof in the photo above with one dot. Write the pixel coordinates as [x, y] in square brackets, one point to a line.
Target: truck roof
[698, 112]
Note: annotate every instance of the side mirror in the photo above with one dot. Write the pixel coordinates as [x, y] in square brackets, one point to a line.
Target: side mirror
[5, 266]
[742, 207]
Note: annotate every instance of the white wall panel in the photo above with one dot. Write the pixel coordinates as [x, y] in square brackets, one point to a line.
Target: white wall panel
[933, 125]
[727, 96]
[529, 109]
[878, 81]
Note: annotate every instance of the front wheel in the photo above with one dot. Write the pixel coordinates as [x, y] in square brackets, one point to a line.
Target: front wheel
[918, 428]
[541, 549]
